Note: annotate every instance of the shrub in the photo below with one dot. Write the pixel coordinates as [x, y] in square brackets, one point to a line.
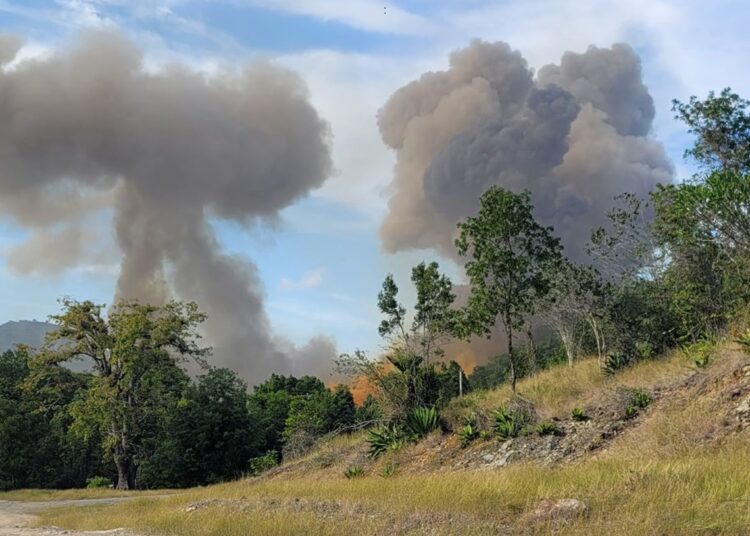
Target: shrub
[579, 415]
[389, 469]
[641, 399]
[511, 422]
[98, 482]
[547, 428]
[700, 353]
[384, 439]
[355, 471]
[261, 464]
[614, 363]
[421, 421]
[744, 340]
[468, 433]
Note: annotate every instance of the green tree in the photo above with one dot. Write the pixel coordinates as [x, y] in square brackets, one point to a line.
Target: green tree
[703, 224]
[721, 125]
[269, 406]
[406, 377]
[206, 437]
[127, 349]
[314, 415]
[510, 256]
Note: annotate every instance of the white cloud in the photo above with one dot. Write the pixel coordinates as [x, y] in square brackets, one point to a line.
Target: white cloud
[348, 89]
[368, 15]
[311, 279]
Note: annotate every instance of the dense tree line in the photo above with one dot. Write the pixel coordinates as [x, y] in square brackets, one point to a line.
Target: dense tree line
[56, 425]
[669, 270]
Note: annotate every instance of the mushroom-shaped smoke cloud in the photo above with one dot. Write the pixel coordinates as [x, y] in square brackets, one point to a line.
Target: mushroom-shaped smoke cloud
[575, 136]
[91, 128]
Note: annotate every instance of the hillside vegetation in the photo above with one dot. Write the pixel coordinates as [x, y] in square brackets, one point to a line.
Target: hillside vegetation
[678, 467]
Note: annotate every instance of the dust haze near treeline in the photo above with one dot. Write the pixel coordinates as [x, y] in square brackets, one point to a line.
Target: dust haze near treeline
[90, 128]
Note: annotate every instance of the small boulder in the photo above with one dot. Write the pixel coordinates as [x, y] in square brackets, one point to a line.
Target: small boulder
[558, 510]
[743, 411]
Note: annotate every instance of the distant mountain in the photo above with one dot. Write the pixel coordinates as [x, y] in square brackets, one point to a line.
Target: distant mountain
[31, 333]
[28, 332]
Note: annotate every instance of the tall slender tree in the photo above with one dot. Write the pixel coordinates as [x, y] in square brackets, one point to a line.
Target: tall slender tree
[509, 259]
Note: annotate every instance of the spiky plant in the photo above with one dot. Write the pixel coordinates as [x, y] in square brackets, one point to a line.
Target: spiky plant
[547, 428]
[384, 439]
[579, 414]
[468, 433]
[511, 422]
[421, 421]
[641, 399]
[615, 362]
[355, 471]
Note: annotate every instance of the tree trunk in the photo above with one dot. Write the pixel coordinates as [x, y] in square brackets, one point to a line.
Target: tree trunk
[532, 349]
[512, 357]
[125, 472]
[597, 336]
[124, 460]
[568, 344]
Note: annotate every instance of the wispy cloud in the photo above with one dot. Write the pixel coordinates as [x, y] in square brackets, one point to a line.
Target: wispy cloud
[368, 15]
[311, 279]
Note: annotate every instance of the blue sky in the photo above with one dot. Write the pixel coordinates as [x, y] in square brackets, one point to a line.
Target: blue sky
[322, 266]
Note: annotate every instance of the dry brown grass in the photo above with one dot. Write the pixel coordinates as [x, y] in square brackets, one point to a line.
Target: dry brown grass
[556, 391]
[681, 470]
[704, 491]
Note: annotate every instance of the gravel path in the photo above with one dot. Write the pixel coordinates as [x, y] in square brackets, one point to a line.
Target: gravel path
[16, 516]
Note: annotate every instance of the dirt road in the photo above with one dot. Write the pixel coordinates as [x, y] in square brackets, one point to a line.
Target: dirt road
[16, 516]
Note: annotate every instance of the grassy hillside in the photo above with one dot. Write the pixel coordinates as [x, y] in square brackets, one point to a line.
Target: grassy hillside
[680, 466]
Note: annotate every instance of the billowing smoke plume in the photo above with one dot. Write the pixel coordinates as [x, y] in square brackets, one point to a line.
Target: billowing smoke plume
[575, 136]
[90, 128]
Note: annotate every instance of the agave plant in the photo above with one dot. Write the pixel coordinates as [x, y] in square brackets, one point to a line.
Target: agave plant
[468, 433]
[547, 428]
[615, 362]
[421, 421]
[511, 422]
[579, 414]
[641, 399]
[384, 439]
[354, 471]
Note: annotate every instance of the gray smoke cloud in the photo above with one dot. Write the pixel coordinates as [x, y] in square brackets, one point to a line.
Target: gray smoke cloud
[90, 128]
[575, 135]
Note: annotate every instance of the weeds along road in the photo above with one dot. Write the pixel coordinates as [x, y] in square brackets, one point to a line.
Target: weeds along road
[15, 518]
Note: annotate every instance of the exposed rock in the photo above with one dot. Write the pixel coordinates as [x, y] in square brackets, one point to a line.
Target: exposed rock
[557, 510]
[743, 411]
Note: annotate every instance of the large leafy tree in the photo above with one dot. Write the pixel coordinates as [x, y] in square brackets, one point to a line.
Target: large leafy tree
[132, 350]
[206, 436]
[721, 125]
[703, 224]
[509, 259]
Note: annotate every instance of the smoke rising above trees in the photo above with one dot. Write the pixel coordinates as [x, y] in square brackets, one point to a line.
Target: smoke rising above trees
[90, 128]
[575, 135]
